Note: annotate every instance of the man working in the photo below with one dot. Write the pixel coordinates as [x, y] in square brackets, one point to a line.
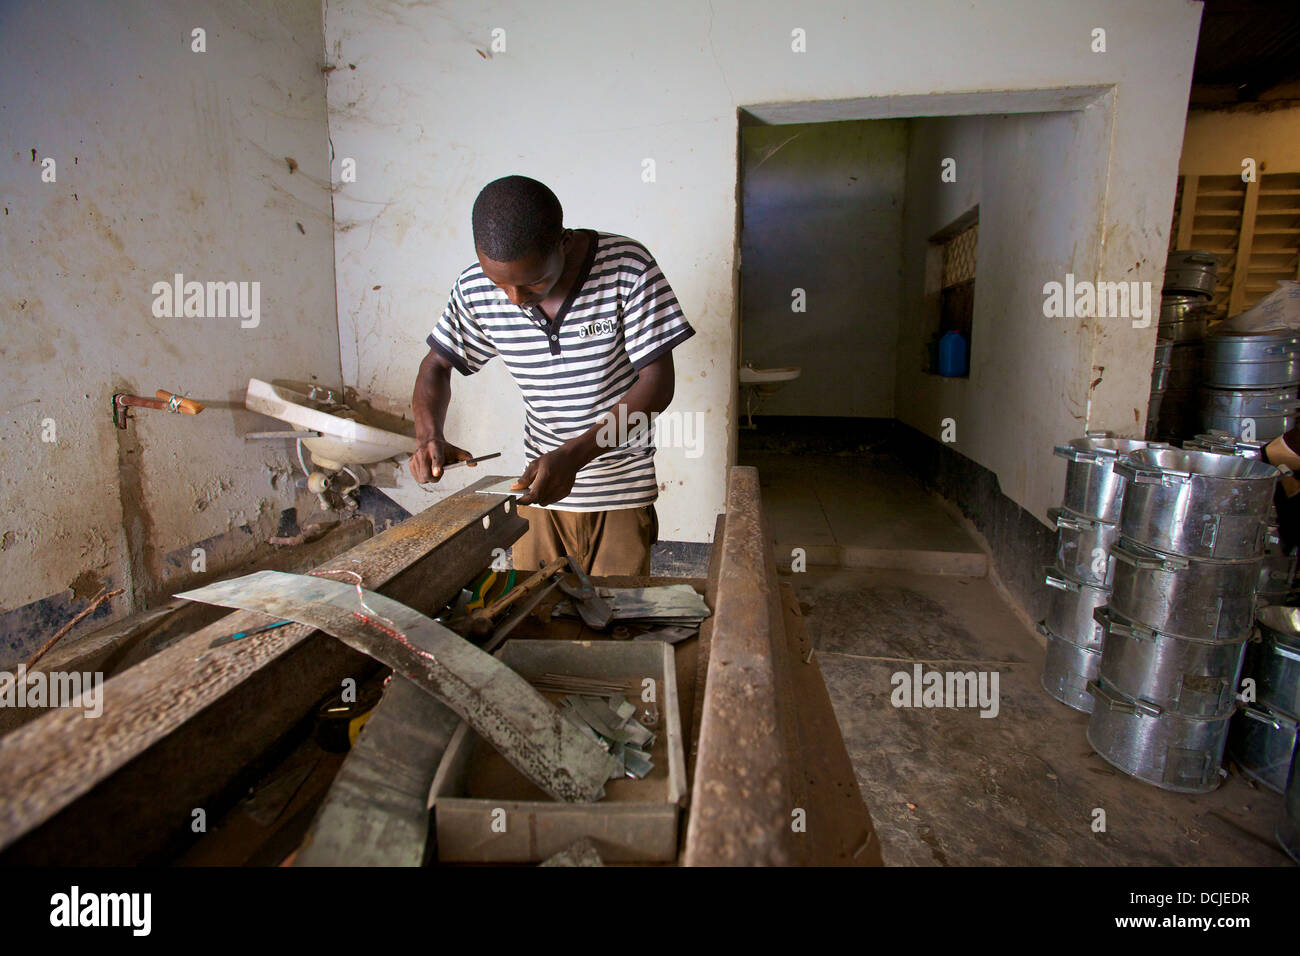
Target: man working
[586, 323]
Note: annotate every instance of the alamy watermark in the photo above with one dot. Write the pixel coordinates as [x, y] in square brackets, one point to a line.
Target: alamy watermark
[662, 429]
[53, 689]
[179, 299]
[1104, 300]
[130, 910]
[923, 688]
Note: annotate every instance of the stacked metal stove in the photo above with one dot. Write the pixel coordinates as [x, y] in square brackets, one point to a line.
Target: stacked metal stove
[1277, 572]
[1087, 526]
[1251, 383]
[1263, 734]
[1174, 409]
[1246, 384]
[1262, 741]
[1173, 609]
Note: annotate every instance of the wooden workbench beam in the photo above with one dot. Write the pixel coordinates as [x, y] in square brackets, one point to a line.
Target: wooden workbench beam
[742, 797]
[61, 757]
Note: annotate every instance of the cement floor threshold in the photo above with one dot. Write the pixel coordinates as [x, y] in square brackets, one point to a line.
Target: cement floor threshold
[860, 511]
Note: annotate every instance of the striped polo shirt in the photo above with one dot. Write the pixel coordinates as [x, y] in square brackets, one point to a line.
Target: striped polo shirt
[620, 316]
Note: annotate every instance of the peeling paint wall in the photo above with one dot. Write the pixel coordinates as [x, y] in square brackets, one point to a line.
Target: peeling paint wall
[823, 212]
[580, 96]
[167, 161]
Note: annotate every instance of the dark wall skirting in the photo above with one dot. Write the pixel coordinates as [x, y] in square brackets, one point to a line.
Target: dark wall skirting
[1020, 544]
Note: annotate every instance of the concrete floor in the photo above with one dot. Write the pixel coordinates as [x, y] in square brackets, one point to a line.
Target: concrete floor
[946, 786]
[859, 512]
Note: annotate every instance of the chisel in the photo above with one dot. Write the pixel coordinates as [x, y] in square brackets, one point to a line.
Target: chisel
[472, 461]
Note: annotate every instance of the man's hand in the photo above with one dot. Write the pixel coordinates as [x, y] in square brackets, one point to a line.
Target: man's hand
[548, 479]
[432, 455]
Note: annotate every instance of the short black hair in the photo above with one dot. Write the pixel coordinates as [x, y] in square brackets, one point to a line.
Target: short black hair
[515, 216]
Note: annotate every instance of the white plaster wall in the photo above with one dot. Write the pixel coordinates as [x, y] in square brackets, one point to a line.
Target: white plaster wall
[929, 206]
[823, 212]
[167, 161]
[582, 94]
[1028, 384]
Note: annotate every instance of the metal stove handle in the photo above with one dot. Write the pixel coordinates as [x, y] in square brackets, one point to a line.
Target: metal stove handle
[1286, 652]
[1070, 453]
[1120, 704]
[1147, 475]
[1262, 717]
[1068, 520]
[1143, 563]
[1058, 581]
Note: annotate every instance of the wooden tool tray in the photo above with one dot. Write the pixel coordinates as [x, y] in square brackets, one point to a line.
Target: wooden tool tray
[485, 811]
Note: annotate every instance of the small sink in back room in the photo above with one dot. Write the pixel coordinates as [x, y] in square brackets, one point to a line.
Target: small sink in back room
[768, 376]
[758, 383]
[344, 439]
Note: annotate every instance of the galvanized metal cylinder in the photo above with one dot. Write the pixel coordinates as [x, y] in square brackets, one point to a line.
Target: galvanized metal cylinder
[1275, 577]
[1191, 271]
[1091, 487]
[1180, 413]
[1183, 318]
[1225, 443]
[1070, 615]
[1200, 599]
[1161, 365]
[1262, 742]
[1192, 678]
[1252, 359]
[1273, 659]
[1185, 360]
[1256, 414]
[1083, 545]
[1163, 748]
[1154, 404]
[1067, 668]
[1196, 503]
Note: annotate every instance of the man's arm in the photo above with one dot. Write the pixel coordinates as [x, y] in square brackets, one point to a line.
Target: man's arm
[550, 478]
[429, 406]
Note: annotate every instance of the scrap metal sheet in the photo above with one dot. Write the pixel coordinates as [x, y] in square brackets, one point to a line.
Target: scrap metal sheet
[499, 704]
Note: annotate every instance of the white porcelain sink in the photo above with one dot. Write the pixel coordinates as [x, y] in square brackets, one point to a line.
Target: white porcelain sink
[758, 384]
[767, 376]
[344, 439]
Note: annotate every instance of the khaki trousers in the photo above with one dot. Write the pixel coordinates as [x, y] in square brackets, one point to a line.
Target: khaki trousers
[603, 542]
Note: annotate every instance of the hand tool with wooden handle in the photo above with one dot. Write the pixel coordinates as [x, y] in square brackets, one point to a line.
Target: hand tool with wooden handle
[471, 461]
[481, 619]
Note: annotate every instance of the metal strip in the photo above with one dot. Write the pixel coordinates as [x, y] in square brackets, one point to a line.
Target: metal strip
[499, 704]
[375, 813]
